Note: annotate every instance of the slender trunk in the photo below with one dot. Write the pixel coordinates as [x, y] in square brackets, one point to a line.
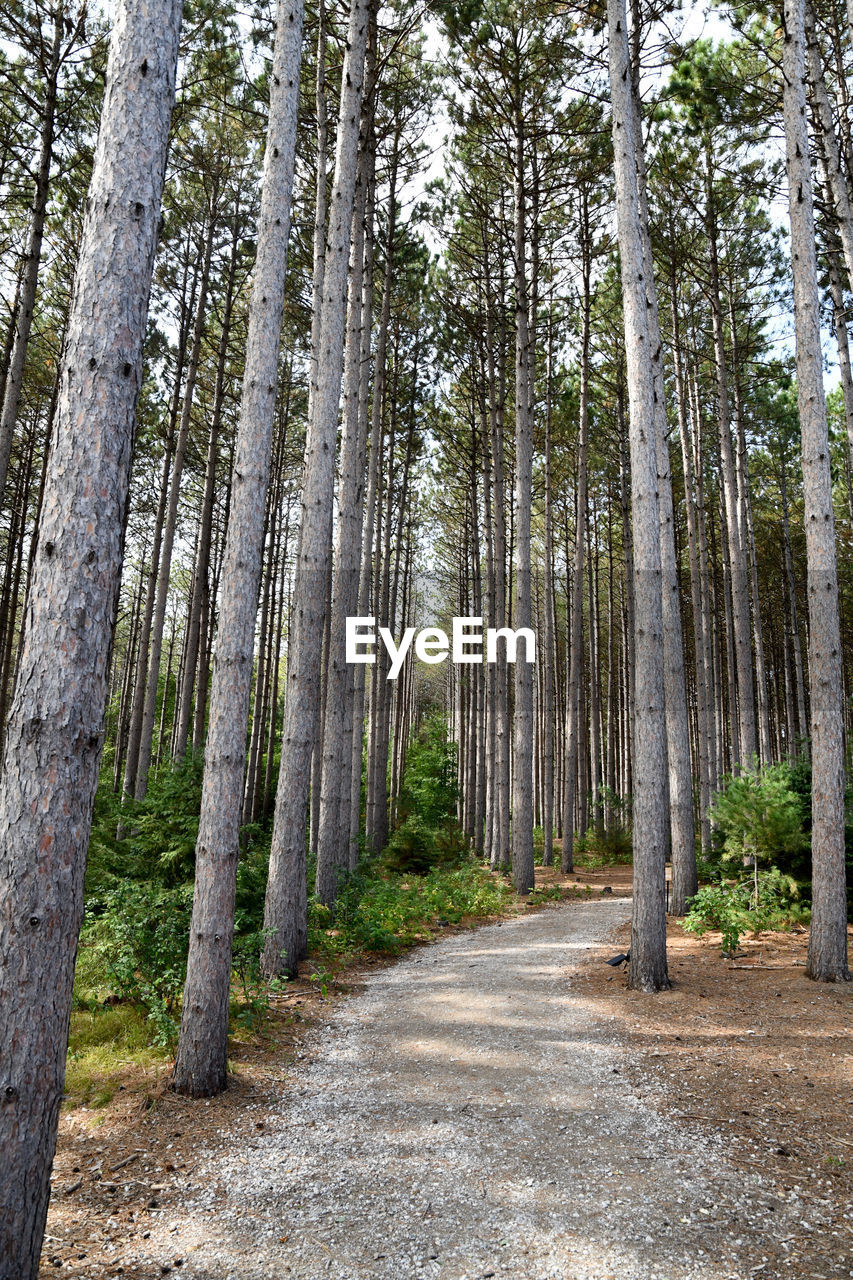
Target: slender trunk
[354, 822]
[201, 585]
[793, 620]
[575, 636]
[827, 958]
[32, 263]
[548, 688]
[201, 1066]
[285, 916]
[830, 151]
[749, 538]
[146, 735]
[522, 790]
[839, 325]
[141, 673]
[743, 713]
[648, 969]
[702, 709]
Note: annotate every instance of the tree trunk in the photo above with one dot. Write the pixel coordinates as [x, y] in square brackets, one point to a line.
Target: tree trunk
[29, 280]
[839, 325]
[548, 687]
[54, 736]
[827, 141]
[827, 958]
[201, 1066]
[522, 788]
[648, 969]
[575, 635]
[743, 714]
[146, 736]
[286, 901]
[201, 585]
[141, 673]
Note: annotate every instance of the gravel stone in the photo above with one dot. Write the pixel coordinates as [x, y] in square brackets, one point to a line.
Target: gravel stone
[468, 1116]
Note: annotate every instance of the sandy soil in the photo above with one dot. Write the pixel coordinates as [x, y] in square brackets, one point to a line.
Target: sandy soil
[751, 1054]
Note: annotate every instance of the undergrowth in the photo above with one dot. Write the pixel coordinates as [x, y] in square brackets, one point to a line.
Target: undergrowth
[385, 912]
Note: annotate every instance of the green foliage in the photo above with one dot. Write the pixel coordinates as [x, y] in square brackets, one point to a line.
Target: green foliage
[152, 839]
[427, 835]
[759, 815]
[602, 847]
[139, 888]
[429, 783]
[415, 846]
[384, 913]
[735, 908]
[135, 948]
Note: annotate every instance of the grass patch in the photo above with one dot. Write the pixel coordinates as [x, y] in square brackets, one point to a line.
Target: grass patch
[105, 1047]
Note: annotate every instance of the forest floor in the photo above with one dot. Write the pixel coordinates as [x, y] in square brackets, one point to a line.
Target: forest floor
[497, 1103]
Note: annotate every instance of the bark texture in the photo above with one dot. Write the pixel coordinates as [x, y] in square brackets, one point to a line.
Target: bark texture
[285, 910]
[648, 970]
[54, 737]
[827, 958]
[200, 1069]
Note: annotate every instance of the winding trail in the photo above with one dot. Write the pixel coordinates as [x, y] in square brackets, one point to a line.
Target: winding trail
[466, 1116]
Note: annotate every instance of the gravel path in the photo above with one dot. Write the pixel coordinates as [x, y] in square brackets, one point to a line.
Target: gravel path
[466, 1117]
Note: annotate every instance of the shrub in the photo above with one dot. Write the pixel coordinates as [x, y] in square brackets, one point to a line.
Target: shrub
[385, 913]
[768, 901]
[428, 834]
[759, 815]
[429, 780]
[134, 947]
[603, 846]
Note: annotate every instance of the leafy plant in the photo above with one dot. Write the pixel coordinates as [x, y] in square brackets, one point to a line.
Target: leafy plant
[734, 907]
[603, 846]
[384, 913]
[135, 948]
[428, 834]
[759, 815]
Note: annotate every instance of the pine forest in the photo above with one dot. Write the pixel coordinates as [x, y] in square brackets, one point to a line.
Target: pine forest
[426, 507]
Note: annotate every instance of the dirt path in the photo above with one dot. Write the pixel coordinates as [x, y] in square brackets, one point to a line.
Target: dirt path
[464, 1118]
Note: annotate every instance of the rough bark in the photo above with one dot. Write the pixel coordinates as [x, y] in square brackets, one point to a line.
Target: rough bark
[54, 736]
[648, 970]
[827, 958]
[201, 1066]
[285, 910]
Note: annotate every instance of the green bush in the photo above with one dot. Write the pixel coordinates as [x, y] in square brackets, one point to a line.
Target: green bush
[427, 834]
[735, 908]
[385, 913]
[603, 846]
[758, 814]
[429, 779]
[139, 889]
[134, 948]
